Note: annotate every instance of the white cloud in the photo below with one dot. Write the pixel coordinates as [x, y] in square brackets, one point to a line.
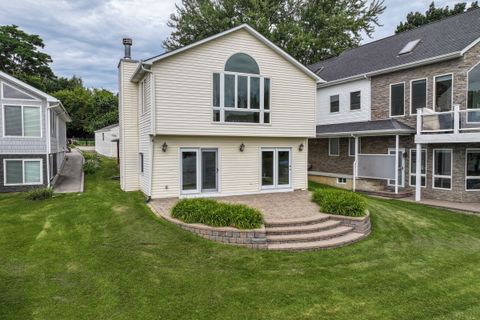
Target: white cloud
[84, 36]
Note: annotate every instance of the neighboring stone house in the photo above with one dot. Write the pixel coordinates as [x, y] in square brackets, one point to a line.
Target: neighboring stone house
[227, 115]
[416, 92]
[33, 137]
[107, 141]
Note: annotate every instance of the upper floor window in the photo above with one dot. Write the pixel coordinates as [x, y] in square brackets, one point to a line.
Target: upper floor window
[144, 94]
[334, 103]
[355, 100]
[21, 121]
[240, 94]
[53, 124]
[443, 93]
[474, 92]
[9, 92]
[397, 99]
[418, 95]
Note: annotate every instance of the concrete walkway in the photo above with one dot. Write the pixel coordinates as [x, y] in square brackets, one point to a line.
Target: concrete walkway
[456, 206]
[70, 178]
[86, 148]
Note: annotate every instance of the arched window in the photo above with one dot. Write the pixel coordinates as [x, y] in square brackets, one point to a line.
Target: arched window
[240, 93]
[474, 94]
[243, 63]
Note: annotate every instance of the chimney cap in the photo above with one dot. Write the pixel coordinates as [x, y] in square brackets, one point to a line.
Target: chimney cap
[127, 41]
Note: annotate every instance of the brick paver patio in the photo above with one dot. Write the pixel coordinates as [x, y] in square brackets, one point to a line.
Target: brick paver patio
[274, 206]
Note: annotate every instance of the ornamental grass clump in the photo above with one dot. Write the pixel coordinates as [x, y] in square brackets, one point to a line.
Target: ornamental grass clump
[92, 162]
[341, 202]
[217, 214]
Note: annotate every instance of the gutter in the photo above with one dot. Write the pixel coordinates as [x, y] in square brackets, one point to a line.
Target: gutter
[367, 75]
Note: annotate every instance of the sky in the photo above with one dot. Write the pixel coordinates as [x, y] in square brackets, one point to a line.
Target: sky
[84, 37]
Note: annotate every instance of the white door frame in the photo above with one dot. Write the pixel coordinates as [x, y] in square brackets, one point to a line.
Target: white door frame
[402, 166]
[199, 154]
[275, 184]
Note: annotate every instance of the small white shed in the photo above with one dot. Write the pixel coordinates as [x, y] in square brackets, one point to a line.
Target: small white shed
[106, 141]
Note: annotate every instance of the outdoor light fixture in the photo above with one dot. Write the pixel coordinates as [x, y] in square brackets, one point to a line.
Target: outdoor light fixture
[242, 147]
[300, 147]
[164, 147]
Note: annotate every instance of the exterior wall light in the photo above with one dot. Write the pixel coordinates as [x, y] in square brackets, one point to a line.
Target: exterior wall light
[242, 147]
[164, 147]
[300, 147]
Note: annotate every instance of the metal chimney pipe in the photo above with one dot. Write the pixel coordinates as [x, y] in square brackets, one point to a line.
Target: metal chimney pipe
[127, 42]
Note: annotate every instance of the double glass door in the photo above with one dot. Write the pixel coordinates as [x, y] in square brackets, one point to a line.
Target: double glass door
[199, 170]
[276, 168]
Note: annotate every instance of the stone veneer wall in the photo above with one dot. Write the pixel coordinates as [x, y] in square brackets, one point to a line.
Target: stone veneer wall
[255, 239]
[458, 67]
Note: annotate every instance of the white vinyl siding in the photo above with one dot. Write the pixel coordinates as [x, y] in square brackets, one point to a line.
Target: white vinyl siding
[238, 172]
[184, 87]
[22, 172]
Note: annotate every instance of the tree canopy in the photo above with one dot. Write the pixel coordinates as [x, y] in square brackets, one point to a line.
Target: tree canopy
[90, 109]
[309, 30]
[416, 19]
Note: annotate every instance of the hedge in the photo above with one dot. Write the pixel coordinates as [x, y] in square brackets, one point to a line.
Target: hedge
[341, 202]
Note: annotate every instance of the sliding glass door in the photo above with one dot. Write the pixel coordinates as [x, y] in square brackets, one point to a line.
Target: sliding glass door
[199, 170]
[276, 168]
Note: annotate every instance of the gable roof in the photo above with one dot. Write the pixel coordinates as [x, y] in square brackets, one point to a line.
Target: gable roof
[139, 71]
[441, 40]
[107, 128]
[53, 102]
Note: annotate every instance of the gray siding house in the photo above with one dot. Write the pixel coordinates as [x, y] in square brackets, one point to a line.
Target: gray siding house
[33, 138]
[401, 115]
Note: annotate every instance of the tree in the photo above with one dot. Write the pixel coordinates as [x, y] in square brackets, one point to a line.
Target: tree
[308, 30]
[416, 19]
[20, 53]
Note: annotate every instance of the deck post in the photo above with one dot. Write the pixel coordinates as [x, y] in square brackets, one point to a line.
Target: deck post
[456, 119]
[397, 163]
[418, 173]
[355, 165]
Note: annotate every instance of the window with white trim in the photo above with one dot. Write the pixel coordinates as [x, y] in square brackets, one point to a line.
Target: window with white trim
[141, 160]
[397, 99]
[333, 146]
[442, 168]
[443, 93]
[413, 168]
[355, 100]
[21, 121]
[472, 175]
[53, 124]
[351, 146]
[9, 92]
[334, 103]
[418, 90]
[240, 93]
[473, 101]
[22, 172]
[341, 180]
[142, 89]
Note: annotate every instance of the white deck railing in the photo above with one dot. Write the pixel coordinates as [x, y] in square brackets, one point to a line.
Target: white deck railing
[456, 121]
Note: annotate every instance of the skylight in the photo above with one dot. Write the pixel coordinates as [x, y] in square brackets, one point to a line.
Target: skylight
[409, 47]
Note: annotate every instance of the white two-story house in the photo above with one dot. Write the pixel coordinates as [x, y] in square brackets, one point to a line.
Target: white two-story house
[33, 136]
[228, 115]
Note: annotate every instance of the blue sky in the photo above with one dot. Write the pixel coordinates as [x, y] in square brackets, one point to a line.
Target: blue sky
[84, 36]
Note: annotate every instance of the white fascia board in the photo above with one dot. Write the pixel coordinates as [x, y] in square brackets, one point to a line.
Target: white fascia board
[470, 46]
[249, 29]
[62, 112]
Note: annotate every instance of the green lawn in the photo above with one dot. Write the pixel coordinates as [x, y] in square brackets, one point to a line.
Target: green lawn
[103, 255]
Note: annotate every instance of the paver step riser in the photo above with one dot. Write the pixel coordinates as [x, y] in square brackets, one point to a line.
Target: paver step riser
[294, 230]
[294, 223]
[319, 244]
[309, 239]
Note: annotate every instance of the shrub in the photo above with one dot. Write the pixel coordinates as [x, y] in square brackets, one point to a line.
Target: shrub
[39, 194]
[217, 214]
[92, 162]
[341, 202]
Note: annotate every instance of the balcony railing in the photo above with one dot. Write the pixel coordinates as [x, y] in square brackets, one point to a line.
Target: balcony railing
[456, 121]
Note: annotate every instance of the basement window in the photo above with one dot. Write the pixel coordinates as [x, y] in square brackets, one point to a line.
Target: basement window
[341, 180]
[409, 47]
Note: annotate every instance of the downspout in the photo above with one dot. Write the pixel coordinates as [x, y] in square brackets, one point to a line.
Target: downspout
[48, 147]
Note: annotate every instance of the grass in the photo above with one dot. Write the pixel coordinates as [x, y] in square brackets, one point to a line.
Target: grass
[103, 255]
